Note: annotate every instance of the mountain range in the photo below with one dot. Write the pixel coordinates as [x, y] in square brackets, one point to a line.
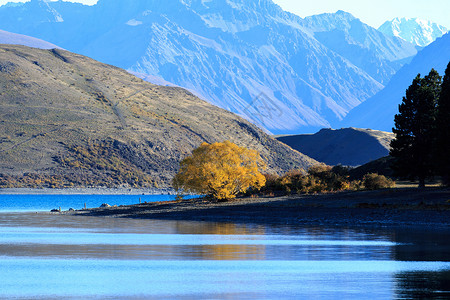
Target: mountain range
[414, 30]
[378, 112]
[282, 72]
[364, 46]
[66, 119]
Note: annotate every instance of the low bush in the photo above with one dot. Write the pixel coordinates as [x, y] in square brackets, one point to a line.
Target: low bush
[319, 179]
[373, 181]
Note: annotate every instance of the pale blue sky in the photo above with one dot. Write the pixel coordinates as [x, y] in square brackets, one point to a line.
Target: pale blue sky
[372, 12]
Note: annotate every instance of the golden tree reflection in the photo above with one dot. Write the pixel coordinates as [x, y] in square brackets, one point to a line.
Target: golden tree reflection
[224, 251]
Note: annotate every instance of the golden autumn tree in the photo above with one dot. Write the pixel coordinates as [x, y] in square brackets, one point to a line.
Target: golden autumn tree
[220, 170]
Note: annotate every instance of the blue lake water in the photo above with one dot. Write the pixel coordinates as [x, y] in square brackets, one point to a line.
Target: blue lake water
[22, 203]
[50, 256]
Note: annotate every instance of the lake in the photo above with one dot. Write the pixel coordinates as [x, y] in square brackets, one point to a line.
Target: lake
[35, 203]
[51, 256]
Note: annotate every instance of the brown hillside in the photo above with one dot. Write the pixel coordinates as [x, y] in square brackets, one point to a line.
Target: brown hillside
[66, 119]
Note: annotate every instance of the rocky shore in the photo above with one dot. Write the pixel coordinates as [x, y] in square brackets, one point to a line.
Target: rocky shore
[391, 207]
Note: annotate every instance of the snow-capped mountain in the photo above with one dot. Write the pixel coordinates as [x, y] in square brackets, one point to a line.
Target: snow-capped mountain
[378, 112]
[414, 30]
[284, 73]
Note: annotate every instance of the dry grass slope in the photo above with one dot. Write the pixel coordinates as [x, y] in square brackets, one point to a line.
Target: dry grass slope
[67, 120]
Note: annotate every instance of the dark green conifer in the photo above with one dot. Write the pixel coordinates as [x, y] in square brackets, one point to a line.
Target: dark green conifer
[415, 127]
[443, 130]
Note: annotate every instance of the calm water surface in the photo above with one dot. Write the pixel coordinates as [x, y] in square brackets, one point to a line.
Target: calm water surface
[61, 257]
[14, 203]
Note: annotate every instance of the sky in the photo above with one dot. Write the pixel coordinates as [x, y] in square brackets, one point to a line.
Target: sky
[371, 12]
[374, 12]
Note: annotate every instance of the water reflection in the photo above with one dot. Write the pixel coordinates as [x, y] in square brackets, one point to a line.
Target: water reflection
[422, 245]
[217, 260]
[423, 285]
[109, 238]
[227, 251]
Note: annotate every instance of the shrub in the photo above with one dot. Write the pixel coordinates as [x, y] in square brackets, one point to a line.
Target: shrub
[273, 183]
[319, 170]
[327, 178]
[293, 181]
[314, 185]
[318, 179]
[373, 181]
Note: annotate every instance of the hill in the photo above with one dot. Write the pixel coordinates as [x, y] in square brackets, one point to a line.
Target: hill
[347, 146]
[282, 72]
[20, 39]
[378, 112]
[66, 120]
[381, 166]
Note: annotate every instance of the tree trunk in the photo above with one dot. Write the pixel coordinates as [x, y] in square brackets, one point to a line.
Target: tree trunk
[421, 182]
[446, 180]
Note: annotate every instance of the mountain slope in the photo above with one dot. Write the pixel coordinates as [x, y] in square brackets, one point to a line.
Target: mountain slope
[348, 146]
[67, 119]
[379, 55]
[228, 52]
[20, 39]
[378, 112]
[249, 57]
[414, 30]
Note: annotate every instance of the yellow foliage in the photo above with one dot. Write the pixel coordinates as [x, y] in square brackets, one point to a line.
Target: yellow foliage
[221, 170]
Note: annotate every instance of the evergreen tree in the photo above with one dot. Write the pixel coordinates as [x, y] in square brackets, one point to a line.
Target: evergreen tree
[415, 127]
[443, 130]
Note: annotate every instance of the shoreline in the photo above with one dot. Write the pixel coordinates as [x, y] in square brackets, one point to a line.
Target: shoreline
[408, 207]
[86, 191]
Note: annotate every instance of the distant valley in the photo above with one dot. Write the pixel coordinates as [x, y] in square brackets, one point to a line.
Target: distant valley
[378, 111]
[284, 73]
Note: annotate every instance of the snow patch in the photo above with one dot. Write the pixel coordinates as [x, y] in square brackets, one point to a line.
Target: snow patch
[217, 21]
[414, 30]
[134, 22]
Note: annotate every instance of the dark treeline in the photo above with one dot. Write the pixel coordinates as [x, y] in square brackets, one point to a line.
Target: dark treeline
[421, 146]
